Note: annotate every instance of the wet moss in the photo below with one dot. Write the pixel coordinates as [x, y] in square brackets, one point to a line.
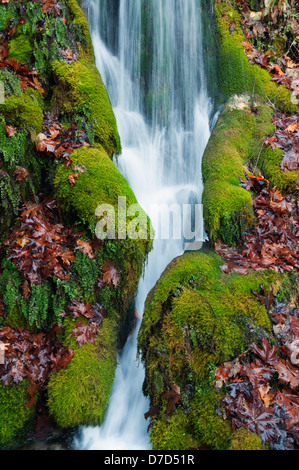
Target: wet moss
[20, 48]
[24, 111]
[245, 440]
[172, 434]
[100, 182]
[14, 412]
[80, 88]
[237, 74]
[236, 139]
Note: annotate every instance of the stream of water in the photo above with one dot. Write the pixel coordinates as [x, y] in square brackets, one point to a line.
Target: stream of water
[150, 56]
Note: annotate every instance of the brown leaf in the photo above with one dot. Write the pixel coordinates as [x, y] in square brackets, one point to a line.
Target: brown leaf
[86, 248]
[173, 396]
[72, 177]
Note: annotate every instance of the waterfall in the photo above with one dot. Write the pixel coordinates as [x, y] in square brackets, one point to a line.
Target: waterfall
[150, 56]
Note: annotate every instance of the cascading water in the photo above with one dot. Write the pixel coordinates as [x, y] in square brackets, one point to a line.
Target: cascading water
[152, 65]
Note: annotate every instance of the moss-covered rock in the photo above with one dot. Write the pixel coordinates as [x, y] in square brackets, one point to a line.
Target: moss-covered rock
[237, 74]
[270, 166]
[14, 412]
[245, 440]
[195, 319]
[80, 393]
[75, 94]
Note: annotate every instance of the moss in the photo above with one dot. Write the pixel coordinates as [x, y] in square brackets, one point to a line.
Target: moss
[80, 89]
[172, 434]
[20, 48]
[79, 19]
[209, 428]
[270, 164]
[99, 183]
[237, 75]
[236, 138]
[80, 393]
[245, 440]
[24, 111]
[14, 413]
[195, 319]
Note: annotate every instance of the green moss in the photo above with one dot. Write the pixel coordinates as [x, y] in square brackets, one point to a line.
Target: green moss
[237, 137]
[80, 393]
[195, 319]
[237, 75]
[81, 90]
[245, 440]
[24, 111]
[13, 410]
[20, 48]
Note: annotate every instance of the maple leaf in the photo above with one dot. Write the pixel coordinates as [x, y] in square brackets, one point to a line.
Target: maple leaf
[247, 46]
[288, 373]
[110, 273]
[4, 50]
[292, 127]
[47, 145]
[276, 69]
[263, 422]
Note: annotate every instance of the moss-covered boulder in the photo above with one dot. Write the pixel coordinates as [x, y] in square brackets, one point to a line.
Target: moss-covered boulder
[80, 87]
[236, 140]
[195, 319]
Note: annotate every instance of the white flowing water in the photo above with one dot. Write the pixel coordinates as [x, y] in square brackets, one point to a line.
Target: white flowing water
[161, 156]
